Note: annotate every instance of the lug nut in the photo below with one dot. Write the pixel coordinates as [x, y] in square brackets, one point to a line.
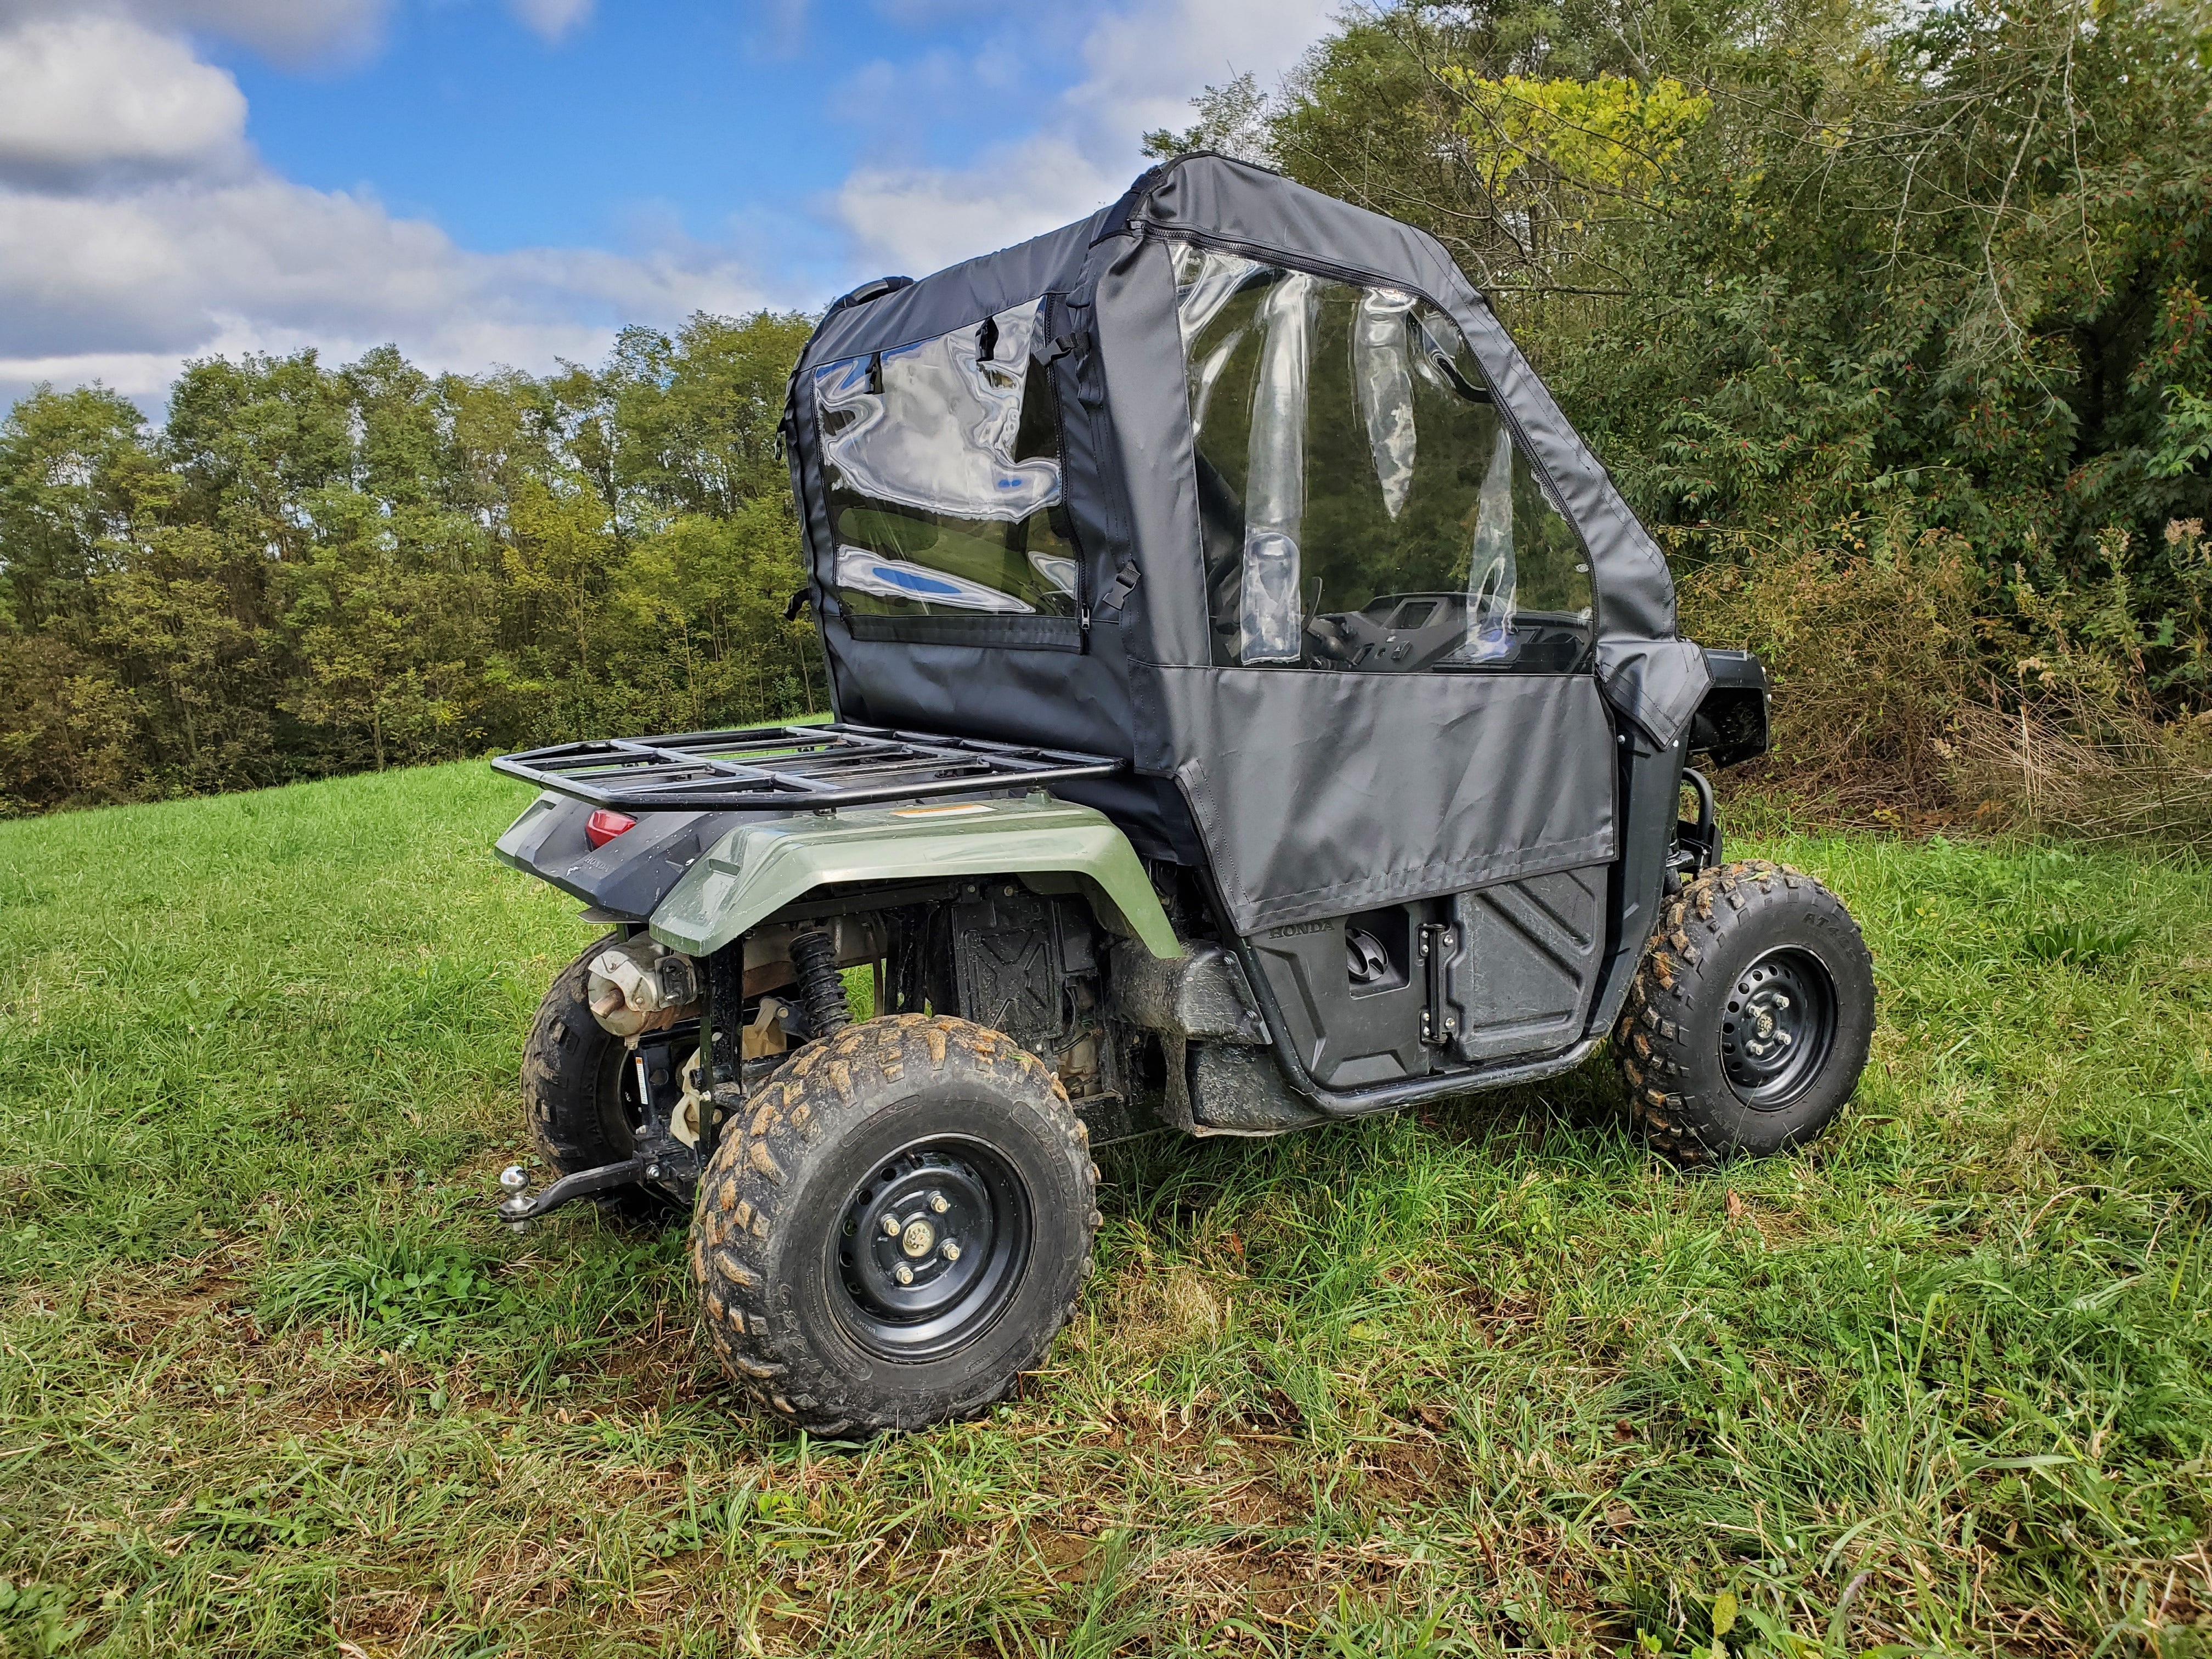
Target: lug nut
[951, 1251]
[903, 1273]
[890, 1226]
[939, 1203]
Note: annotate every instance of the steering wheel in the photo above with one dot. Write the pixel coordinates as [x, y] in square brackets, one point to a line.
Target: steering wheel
[1395, 634]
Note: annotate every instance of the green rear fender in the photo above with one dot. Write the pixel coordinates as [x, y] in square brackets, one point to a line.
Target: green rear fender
[756, 869]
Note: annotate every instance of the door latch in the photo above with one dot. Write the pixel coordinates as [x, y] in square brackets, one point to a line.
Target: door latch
[1439, 1019]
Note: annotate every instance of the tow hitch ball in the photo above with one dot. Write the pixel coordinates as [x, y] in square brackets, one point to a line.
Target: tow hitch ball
[515, 1181]
[521, 1206]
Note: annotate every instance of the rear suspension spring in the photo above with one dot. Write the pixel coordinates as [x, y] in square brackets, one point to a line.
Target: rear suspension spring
[821, 989]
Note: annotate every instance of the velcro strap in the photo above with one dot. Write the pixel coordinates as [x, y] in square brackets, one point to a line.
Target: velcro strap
[1124, 584]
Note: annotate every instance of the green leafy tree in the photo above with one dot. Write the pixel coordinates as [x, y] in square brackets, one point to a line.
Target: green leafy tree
[313, 568]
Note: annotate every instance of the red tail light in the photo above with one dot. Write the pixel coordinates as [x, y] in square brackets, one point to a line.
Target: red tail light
[603, 826]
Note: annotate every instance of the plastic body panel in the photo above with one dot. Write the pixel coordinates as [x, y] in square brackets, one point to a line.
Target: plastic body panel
[1241, 1091]
[1517, 979]
[1731, 723]
[1346, 1036]
[1501, 972]
[630, 876]
[1651, 790]
[758, 867]
[1203, 995]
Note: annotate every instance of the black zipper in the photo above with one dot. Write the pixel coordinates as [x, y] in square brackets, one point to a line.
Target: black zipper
[1054, 309]
[1288, 261]
[794, 459]
[1357, 278]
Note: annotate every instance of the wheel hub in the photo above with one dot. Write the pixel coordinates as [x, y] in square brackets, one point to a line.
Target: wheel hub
[1777, 1027]
[929, 1248]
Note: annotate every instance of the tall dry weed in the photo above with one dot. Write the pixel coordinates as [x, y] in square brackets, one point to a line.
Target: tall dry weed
[2094, 773]
[1909, 683]
[1872, 653]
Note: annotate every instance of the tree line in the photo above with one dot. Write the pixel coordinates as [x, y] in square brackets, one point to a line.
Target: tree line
[308, 570]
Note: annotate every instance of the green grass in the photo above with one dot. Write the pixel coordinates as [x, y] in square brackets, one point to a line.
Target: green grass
[1484, 1378]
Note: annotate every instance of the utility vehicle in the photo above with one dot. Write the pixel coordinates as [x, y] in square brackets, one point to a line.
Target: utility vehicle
[1254, 708]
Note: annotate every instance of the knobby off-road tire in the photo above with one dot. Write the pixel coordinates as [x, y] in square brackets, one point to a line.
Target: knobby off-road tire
[572, 1088]
[1747, 1023]
[944, 1132]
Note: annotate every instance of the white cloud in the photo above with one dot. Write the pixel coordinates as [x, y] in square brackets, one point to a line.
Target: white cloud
[1143, 63]
[779, 29]
[290, 31]
[1147, 62]
[286, 31]
[136, 229]
[93, 95]
[917, 219]
[552, 19]
[125, 287]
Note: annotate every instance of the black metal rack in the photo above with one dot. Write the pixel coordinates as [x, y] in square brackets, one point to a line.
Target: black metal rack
[775, 768]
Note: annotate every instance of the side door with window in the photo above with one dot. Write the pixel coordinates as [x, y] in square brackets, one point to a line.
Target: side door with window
[1398, 754]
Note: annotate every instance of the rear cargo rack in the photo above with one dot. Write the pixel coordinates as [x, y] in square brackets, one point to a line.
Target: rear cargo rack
[776, 767]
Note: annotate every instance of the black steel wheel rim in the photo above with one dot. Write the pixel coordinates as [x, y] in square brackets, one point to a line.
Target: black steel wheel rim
[930, 1248]
[1777, 1027]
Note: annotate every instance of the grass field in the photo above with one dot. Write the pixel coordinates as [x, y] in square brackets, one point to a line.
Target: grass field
[1484, 1379]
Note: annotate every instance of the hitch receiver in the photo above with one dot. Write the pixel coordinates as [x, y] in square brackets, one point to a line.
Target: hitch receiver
[528, 1206]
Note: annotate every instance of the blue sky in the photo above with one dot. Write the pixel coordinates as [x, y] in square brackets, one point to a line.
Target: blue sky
[508, 181]
[643, 118]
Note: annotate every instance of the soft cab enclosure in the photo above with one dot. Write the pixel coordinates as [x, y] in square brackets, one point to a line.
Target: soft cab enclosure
[1249, 487]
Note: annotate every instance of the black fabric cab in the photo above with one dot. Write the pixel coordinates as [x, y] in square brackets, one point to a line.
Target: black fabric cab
[1250, 487]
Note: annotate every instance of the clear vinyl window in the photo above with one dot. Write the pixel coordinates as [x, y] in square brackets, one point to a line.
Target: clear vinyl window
[942, 461]
[1364, 506]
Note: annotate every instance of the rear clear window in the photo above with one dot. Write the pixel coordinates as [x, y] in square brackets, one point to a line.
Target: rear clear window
[1364, 507]
[943, 464]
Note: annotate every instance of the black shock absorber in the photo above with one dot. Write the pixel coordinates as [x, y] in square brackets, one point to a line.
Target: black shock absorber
[821, 991]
